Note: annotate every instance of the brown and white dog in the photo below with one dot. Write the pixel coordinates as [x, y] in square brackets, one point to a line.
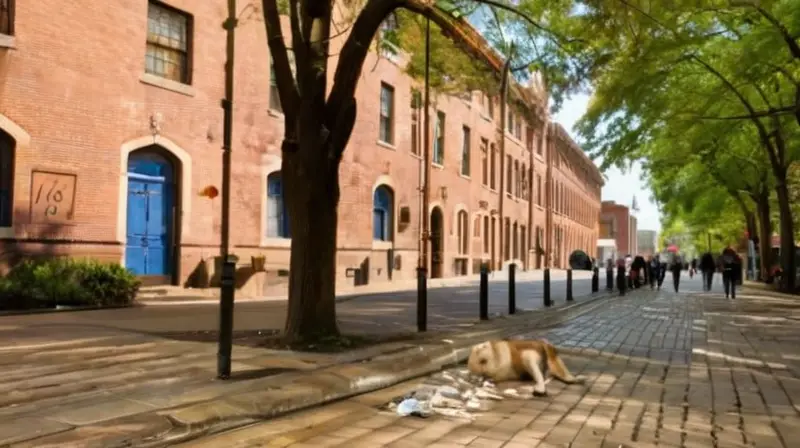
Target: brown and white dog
[511, 360]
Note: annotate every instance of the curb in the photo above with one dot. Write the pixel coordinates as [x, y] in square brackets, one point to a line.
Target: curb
[71, 309]
[384, 373]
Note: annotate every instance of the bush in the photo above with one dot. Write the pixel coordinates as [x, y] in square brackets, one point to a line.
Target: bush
[59, 281]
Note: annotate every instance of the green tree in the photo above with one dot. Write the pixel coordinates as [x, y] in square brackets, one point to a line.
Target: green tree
[690, 66]
[318, 122]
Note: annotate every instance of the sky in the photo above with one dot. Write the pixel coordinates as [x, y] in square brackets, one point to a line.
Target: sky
[620, 186]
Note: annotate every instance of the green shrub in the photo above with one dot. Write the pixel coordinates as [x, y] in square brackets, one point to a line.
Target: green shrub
[61, 281]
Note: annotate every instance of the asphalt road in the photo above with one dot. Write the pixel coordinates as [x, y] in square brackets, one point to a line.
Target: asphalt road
[448, 308]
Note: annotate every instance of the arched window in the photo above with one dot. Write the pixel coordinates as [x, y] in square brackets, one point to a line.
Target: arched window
[7, 145]
[382, 214]
[463, 233]
[277, 218]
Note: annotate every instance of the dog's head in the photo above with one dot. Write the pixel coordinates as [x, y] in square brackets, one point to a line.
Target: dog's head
[481, 358]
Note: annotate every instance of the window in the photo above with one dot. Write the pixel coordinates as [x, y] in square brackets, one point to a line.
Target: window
[416, 106]
[387, 114]
[510, 121]
[493, 168]
[539, 146]
[277, 218]
[168, 45]
[517, 184]
[463, 233]
[524, 182]
[465, 151]
[523, 238]
[485, 161]
[538, 189]
[486, 234]
[7, 17]
[438, 143]
[476, 227]
[7, 146]
[518, 129]
[507, 242]
[509, 178]
[382, 210]
[488, 105]
[515, 236]
[529, 138]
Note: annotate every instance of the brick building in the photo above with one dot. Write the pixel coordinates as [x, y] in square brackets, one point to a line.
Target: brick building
[617, 223]
[108, 132]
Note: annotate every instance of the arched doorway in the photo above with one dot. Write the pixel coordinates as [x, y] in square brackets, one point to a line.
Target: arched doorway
[437, 248]
[151, 216]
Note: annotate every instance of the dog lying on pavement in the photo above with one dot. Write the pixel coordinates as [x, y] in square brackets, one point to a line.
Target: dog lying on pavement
[513, 360]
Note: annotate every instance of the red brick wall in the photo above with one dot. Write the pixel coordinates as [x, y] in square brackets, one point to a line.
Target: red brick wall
[619, 214]
[74, 84]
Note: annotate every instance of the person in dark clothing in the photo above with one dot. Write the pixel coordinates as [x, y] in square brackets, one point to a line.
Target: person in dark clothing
[729, 261]
[654, 271]
[708, 267]
[676, 268]
[662, 272]
[692, 267]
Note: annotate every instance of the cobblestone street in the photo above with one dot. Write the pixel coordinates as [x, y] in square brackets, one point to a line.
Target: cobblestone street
[690, 369]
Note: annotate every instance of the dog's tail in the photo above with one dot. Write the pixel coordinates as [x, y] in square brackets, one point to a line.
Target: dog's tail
[557, 367]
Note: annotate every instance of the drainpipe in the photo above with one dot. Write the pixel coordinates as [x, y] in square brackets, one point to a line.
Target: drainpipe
[548, 181]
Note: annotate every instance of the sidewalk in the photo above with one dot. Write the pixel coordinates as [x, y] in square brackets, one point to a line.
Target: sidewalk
[689, 370]
[113, 378]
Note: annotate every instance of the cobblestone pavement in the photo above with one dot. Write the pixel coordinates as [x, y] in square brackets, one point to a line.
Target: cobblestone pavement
[675, 370]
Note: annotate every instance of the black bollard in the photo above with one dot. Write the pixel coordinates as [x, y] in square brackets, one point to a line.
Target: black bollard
[422, 300]
[569, 285]
[547, 301]
[483, 298]
[512, 288]
[595, 280]
[610, 279]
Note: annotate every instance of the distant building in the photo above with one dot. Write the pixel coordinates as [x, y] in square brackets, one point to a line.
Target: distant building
[647, 241]
[617, 223]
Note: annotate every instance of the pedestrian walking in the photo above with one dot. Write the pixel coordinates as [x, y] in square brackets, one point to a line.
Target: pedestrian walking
[729, 261]
[692, 267]
[662, 271]
[676, 268]
[708, 267]
[654, 271]
[622, 281]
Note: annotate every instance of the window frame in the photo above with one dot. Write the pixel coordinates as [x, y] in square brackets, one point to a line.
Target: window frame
[390, 119]
[387, 213]
[7, 216]
[466, 151]
[11, 18]
[188, 69]
[282, 227]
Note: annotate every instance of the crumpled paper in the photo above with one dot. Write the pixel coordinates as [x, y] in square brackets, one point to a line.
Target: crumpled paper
[455, 394]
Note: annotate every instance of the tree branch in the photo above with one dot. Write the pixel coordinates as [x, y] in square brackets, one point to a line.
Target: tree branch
[794, 47]
[287, 88]
[759, 114]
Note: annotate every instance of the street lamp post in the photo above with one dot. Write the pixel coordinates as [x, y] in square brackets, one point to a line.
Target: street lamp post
[422, 268]
[227, 280]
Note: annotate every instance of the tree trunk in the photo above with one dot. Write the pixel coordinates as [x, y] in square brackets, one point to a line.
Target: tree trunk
[788, 262]
[765, 235]
[311, 191]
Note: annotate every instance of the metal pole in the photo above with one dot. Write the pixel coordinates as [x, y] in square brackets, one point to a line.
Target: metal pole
[227, 290]
[502, 142]
[422, 276]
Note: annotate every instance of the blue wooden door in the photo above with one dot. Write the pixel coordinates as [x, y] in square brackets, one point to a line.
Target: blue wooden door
[149, 235]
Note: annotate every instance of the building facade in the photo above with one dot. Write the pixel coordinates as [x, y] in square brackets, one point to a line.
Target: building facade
[617, 223]
[104, 148]
[647, 241]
